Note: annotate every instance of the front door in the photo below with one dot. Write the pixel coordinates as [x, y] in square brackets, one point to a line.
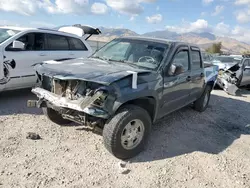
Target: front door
[176, 86]
[24, 75]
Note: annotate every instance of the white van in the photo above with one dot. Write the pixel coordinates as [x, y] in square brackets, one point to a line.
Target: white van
[20, 48]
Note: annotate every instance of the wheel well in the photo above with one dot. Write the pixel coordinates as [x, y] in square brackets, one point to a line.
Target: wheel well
[147, 103]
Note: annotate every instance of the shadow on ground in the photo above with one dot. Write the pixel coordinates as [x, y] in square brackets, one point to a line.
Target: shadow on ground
[187, 131]
[179, 133]
[15, 102]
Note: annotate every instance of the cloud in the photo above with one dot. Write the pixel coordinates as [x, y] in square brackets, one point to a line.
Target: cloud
[199, 25]
[154, 19]
[241, 34]
[206, 2]
[132, 18]
[24, 7]
[99, 8]
[243, 16]
[242, 2]
[65, 6]
[218, 10]
[29, 7]
[130, 7]
[222, 29]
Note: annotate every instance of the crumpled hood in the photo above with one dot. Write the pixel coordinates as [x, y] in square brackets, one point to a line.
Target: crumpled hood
[224, 66]
[87, 69]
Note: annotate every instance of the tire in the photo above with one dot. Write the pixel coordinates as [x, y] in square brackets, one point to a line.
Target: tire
[116, 129]
[55, 117]
[201, 104]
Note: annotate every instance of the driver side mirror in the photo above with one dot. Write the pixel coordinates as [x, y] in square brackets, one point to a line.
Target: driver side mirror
[18, 45]
[175, 70]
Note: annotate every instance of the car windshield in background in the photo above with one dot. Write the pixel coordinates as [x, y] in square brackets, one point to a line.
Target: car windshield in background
[227, 59]
[147, 54]
[6, 33]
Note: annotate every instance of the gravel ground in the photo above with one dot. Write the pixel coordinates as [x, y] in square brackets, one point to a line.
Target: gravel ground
[187, 149]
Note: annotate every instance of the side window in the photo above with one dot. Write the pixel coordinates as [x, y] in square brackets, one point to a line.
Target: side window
[246, 62]
[180, 63]
[39, 42]
[32, 41]
[57, 42]
[76, 44]
[196, 59]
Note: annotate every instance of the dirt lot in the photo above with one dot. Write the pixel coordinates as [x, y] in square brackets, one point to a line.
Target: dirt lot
[187, 149]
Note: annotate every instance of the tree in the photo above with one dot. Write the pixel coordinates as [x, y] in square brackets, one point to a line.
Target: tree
[247, 52]
[215, 48]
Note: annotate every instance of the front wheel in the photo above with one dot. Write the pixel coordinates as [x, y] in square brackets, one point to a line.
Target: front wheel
[201, 104]
[125, 134]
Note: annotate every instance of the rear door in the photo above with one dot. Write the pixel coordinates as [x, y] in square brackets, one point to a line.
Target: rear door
[59, 47]
[246, 73]
[177, 86]
[197, 73]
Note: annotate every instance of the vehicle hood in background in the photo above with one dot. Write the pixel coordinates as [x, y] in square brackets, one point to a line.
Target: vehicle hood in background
[88, 69]
[224, 66]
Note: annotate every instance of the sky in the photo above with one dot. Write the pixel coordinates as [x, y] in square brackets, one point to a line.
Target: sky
[221, 17]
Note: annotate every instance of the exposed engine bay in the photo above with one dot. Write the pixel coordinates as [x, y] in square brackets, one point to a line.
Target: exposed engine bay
[229, 79]
[76, 100]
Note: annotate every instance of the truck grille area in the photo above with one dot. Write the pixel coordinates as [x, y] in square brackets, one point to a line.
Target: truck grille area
[70, 89]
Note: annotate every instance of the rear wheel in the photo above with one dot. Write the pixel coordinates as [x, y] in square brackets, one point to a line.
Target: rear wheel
[55, 117]
[125, 135]
[201, 104]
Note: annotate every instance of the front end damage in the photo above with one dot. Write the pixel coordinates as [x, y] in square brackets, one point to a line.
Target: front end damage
[83, 102]
[229, 79]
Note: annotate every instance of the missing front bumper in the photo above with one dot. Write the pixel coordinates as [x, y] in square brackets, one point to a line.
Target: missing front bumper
[81, 105]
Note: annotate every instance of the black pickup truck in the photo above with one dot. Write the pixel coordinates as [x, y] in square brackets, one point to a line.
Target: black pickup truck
[124, 88]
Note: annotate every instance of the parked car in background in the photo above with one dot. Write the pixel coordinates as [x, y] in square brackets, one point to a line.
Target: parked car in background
[20, 48]
[234, 72]
[225, 62]
[125, 87]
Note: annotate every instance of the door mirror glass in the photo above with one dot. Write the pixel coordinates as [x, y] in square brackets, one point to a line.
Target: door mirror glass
[17, 45]
[176, 69]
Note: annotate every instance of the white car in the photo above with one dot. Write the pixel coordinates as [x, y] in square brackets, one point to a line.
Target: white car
[21, 48]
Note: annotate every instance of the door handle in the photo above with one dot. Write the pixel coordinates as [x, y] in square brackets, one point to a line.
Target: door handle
[188, 78]
[71, 54]
[202, 75]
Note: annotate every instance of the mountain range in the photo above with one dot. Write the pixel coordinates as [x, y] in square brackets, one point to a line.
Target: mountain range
[204, 40]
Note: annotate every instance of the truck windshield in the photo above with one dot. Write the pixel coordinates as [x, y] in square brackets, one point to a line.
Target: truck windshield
[141, 53]
[6, 33]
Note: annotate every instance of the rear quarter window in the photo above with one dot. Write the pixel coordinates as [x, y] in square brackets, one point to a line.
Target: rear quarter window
[76, 44]
[57, 42]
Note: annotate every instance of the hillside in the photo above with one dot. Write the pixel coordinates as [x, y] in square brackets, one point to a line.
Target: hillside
[204, 40]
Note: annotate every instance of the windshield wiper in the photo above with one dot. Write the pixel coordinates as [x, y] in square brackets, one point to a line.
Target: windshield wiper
[98, 57]
[125, 62]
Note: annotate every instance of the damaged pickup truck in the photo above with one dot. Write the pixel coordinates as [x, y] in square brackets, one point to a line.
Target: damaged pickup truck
[124, 87]
[233, 72]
